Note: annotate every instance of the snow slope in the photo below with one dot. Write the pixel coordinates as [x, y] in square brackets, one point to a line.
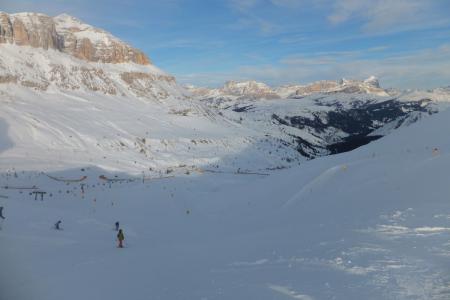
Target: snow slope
[60, 112]
[373, 223]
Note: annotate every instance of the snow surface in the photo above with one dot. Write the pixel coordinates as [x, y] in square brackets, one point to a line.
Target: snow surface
[373, 223]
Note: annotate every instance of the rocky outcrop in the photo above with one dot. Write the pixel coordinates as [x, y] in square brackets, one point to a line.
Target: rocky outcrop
[86, 42]
[317, 87]
[143, 84]
[29, 29]
[69, 35]
[368, 86]
[6, 29]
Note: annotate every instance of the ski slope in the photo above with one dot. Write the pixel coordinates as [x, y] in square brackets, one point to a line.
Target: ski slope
[373, 223]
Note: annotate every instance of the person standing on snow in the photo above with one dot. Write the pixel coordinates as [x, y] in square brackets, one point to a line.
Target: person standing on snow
[120, 238]
[117, 226]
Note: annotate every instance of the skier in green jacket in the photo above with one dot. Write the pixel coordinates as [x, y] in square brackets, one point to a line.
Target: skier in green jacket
[120, 238]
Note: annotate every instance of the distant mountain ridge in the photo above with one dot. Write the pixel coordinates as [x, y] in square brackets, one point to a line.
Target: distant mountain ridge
[238, 90]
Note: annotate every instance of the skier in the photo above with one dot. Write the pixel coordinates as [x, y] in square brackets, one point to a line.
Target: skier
[117, 226]
[57, 227]
[2, 218]
[120, 238]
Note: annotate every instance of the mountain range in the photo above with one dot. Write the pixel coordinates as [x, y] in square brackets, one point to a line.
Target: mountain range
[73, 94]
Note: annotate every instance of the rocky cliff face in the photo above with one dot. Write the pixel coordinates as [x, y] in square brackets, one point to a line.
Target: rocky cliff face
[86, 42]
[25, 39]
[29, 29]
[67, 34]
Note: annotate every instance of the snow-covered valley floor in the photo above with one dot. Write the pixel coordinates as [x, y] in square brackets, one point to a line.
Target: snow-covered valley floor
[373, 223]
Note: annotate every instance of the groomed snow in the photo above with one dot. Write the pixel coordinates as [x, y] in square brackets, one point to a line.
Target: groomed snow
[369, 224]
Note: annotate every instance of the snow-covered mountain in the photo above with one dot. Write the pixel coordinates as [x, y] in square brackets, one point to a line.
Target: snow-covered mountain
[72, 95]
[65, 103]
[67, 34]
[235, 91]
[248, 90]
[63, 53]
[322, 117]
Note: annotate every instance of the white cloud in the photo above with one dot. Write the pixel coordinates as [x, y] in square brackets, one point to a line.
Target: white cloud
[288, 3]
[243, 5]
[388, 15]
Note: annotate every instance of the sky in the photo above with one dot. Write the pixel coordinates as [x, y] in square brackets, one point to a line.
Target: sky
[405, 43]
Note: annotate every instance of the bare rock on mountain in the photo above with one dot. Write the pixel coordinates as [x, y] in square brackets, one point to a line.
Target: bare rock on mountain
[317, 87]
[29, 29]
[373, 81]
[69, 35]
[252, 88]
[368, 86]
[144, 84]
[6, 29]
[93, 44]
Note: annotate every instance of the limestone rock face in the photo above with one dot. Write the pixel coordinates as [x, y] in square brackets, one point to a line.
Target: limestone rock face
[86, 42]
[6, 29]
[69, 35]
[29, 29]
[317, 87]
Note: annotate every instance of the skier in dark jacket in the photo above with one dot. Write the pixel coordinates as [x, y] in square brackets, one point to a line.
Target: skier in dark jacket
[2, 218]
[117, 226]
[57, 225]
[120, 238]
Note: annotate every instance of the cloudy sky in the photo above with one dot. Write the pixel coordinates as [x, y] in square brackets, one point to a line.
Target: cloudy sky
[406, 43]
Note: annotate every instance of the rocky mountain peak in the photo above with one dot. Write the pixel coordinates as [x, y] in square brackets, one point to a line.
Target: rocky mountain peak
[87, 42]
[373, 81]
[67, 34]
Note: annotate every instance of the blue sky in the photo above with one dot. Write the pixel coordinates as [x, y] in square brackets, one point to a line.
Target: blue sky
[406, 43]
